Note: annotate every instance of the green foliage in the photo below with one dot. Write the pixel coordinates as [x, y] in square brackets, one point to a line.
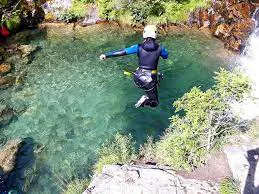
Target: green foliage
[141, 10]
[86, 1]
[3, 2]
[78, 10]
[147, 151]
[125, 17]
[68, 17]
[149, 11]
[232, 86]
[229, 186]
[178, 11]
[107, 9]
[12, 20]
[207, 119]
[76, 187]
[119, 151]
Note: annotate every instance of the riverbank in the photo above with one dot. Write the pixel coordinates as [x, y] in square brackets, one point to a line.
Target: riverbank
[230, 21]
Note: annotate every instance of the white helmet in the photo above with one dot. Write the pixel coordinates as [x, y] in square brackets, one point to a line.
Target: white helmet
[150, 31]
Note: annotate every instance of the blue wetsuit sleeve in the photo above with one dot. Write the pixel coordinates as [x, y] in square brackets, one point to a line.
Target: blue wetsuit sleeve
[164, 53]
[127, 51]
[132, 50]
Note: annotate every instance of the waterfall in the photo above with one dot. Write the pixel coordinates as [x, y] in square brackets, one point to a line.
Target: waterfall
[249, 63]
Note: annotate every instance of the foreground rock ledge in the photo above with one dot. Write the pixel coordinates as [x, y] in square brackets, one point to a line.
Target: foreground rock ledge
[146, 179]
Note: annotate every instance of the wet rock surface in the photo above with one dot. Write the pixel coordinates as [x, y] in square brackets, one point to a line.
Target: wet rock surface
[15, 59]
[26, 50]
[8, 155]
[5, 68]
[6, 81]
[146, 179]
[229, 20]
[6, 115]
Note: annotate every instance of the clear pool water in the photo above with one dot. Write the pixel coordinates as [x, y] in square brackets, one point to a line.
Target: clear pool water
[74, 102]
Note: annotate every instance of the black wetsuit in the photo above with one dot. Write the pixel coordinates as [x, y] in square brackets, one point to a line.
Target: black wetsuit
[145, 77]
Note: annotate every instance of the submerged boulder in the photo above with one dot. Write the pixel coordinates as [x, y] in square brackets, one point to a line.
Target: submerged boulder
[6, 115]
[146, 179]
[5, 68]
[6, 81]
[26, 50]
[8, 155]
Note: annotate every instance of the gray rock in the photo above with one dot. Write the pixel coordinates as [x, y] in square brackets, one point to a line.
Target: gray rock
[146, 179]
[57, 7]
[92, 16]
[89, 21]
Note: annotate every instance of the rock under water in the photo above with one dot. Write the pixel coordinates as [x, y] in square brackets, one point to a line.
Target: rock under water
[8, 155]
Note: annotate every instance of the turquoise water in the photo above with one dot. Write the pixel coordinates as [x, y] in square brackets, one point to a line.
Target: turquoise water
[74, 102]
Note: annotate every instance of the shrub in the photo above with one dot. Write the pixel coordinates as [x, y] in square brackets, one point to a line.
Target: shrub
[205, 118]
[228, 186]
[3, 2]
[68, 17]
[119, 151]
[178, 11]
[76, 187]
[154, 11]
[141, 10]
[11, 20]
[147, 151]
[87, 1]
[78, 10]
[107, 9]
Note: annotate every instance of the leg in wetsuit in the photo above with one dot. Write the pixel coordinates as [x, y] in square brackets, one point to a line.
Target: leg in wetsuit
[147, 81]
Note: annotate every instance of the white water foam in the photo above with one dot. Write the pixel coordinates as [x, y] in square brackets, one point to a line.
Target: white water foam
[250, 65]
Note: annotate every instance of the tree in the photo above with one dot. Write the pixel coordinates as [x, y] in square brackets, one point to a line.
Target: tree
[206, 118]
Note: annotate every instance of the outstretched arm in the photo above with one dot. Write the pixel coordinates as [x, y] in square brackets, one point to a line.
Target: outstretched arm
[164, 53]
[127, 51]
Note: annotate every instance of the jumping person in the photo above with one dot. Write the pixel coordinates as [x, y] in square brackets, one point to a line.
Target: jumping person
[146, 75]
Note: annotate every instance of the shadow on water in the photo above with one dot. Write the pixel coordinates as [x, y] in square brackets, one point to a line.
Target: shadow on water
[18, 180]
[252, 157]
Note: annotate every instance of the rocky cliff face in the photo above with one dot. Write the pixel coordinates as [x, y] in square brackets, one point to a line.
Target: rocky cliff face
[146, 179]
[229, 20]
